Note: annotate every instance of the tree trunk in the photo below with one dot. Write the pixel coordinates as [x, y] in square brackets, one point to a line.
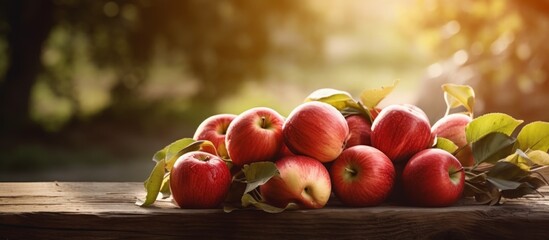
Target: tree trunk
[30, 23]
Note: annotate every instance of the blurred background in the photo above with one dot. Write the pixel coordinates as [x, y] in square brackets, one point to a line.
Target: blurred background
[90, 90]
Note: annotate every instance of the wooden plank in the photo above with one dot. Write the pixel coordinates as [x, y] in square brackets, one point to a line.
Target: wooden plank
[106, 210]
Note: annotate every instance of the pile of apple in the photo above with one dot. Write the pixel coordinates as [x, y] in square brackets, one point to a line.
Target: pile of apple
[362, 154]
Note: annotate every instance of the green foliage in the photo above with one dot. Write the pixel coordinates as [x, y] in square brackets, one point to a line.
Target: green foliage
[101, 54]
[372, 97]
[153, 184]
[258, 174]
[469, 38]
[503, 164]
[337, 98]
[534, 136]
[459, 95]
[504, 173]
[446, 144]
[244, 191]
[343, 101]
[489, 123]
[492, 148]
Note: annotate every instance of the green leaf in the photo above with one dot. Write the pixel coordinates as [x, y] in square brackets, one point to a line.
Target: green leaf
[372, 97]
[528, 185]
[507, 171]
[165, 188]
[249, 200]
[258, 173]
[446, 145]
[233, 200]
[459, 95]
[160, 155]
[527, 160]
[534, 136]
[168, 151]
[492, 147]
[490, 123]
[503, 184]
[244, 192]
[539, 157]
[484, 192]
[153, 184]
[520, 159]
[337, 98]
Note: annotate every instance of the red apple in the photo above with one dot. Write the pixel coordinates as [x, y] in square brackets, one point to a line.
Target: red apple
[359, 131]
[199, 180]
[433, 178]
[213, 129]
[302, 180]
[452, 127]
[317, 130]
[400, 131]
[284, 152]
[362, 176]
[397, 193]
[255, 135]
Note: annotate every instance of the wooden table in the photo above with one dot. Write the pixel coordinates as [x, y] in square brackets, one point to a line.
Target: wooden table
[58, 210]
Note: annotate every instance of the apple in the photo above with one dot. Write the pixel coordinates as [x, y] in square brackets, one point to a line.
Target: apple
[214, 129]
[302, 180]
[254, 135]
[362, 176]
[317, 130]
[452, 127]
[284, 152]
[359, 131]
[400, 131]
[433, 178]
[199, 180]
[397, 193]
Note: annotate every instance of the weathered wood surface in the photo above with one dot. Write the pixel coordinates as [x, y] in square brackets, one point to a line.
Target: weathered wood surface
[58, 210]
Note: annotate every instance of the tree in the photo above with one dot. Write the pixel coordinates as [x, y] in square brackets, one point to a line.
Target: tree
[223, 43]
[498, 47]
[29, 25]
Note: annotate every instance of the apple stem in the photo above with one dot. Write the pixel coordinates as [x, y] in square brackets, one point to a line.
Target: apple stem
[350, 170]
[263, 122]
[456, 171]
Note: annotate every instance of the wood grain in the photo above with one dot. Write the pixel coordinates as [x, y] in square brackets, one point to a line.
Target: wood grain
[59, 210]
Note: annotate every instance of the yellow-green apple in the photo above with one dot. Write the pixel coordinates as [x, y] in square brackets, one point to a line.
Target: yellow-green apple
[433, 178]
[254, 135]
[452, 127]
[317, 130]
[400, 131]
[214, 129]
[359, 130]
[199, 180]
[302, 180]
[362, 176]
